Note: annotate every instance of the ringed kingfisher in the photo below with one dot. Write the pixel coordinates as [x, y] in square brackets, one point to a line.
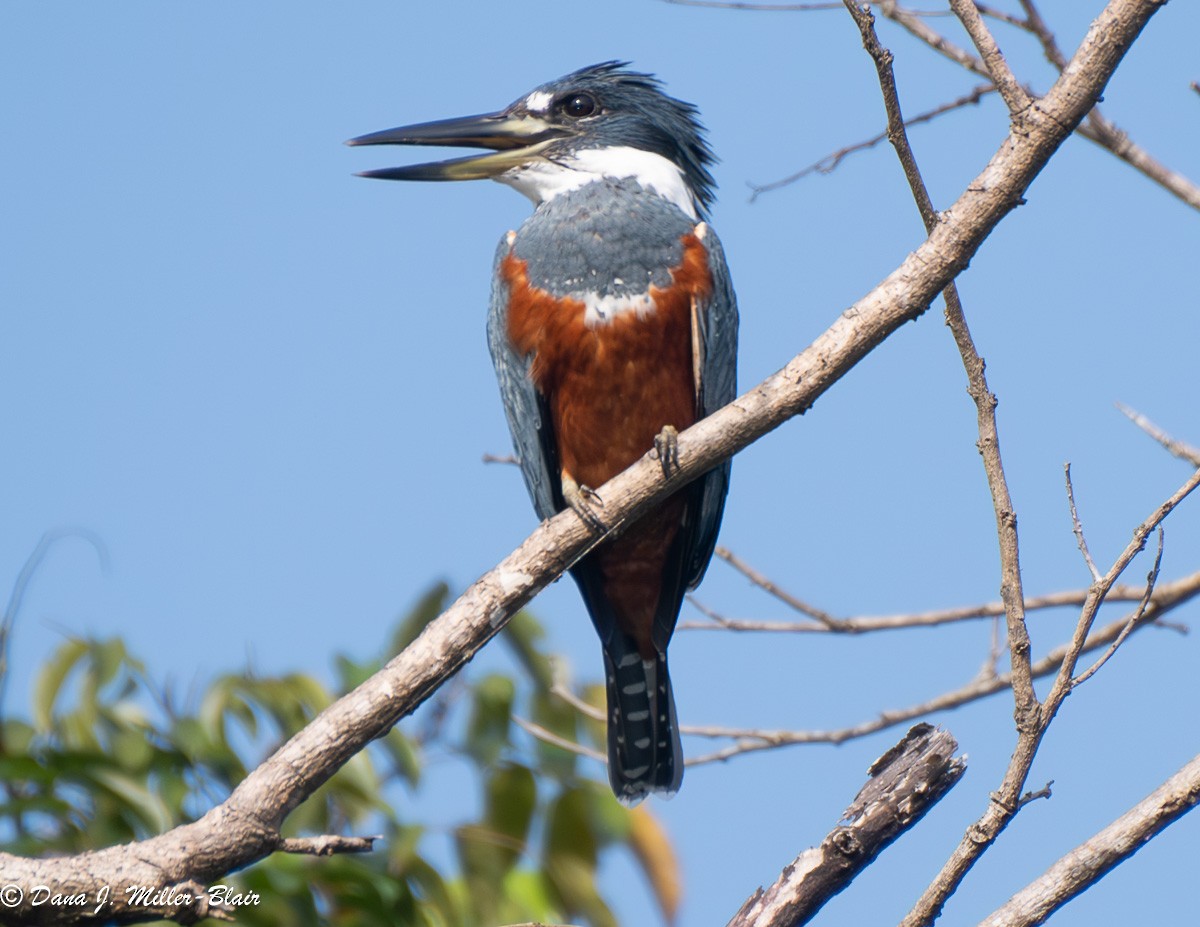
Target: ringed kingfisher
[613, 326]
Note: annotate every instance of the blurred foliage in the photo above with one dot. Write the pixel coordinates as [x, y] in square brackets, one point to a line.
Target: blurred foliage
[108, 758]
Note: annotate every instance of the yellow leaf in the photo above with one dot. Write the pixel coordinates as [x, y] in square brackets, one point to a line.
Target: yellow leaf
[653, 849]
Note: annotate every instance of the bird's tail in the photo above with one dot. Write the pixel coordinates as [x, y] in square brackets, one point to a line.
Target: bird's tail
[644, 752]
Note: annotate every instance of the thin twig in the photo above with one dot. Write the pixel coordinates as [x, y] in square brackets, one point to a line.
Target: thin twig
[1077, 527]
[1101, 132]
[989, 440]
[328, 845]
[1078, 870]
[1004, 803]
[823, 617]
[830, 162]
[758, 7]
[1137, 616]
[586, 709]
[549, 737]
[1002, 76]
[1098, 129]
[1043, 792]
[992, 13]
[1065, 681]
[751, 740]
[1178, 448]
[861, 624]
[1034, 24]
[16, 596]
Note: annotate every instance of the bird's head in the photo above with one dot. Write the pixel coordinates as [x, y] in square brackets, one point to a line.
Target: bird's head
[601, 121]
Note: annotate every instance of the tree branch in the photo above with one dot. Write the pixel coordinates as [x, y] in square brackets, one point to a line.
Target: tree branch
[1095, 857]
[904, 784]
[1176, 447]
[1011, 590]
[1186, 586]
[1105, 134]
[830, 162]
[984, 684]
[1006, 82]
[1005, 802]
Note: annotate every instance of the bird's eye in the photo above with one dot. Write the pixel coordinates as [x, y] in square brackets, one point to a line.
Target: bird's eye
[579, 105]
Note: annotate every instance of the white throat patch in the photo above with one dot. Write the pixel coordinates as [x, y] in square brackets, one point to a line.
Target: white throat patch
[542, 180]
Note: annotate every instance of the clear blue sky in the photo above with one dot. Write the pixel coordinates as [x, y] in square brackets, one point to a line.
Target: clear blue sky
[264, 384]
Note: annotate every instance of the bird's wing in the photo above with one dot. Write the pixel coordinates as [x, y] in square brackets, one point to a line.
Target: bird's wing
[717, 320]
[526, 410]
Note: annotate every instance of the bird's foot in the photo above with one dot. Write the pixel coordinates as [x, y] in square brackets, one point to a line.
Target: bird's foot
[666, 450]
[584, 501]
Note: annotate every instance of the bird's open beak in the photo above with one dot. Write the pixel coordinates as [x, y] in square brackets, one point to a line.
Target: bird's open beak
[514, 139]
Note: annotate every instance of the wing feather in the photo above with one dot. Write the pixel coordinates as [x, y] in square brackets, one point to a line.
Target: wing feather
[718, 321]
[524, 407]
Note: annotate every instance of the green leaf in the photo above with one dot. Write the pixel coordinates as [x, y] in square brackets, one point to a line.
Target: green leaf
[511, 800]
[570, 855]
[135, 798]
[651, 845]
[351, 674]
[50, 679]
[404, 754]
[437, 901]
[431, 604]
[523, 634]
[491, 714]
[527, 897]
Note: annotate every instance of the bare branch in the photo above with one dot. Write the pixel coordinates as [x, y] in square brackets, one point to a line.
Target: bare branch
[1006, 82]
[824, 618]
[904, 784]
[759, 7]
[1005, 802]
[549, 737]
[1077, 527]
[1137, 616]
[750, 740]
[327, 845]
[992, 13]
[1065, 682]
[1095, 857]
[863, 624]
[1098, 129]
[916, 26]
[1180, 449]
[1043, 792]
[1011, 591]
[584, 708]
[1034, 23]
[831, 161]
[1103, 132]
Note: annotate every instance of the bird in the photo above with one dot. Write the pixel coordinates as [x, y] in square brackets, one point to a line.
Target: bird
[613, 326]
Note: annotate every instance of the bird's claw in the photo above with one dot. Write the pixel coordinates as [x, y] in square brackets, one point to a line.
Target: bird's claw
[584, 501]
[666, 450]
